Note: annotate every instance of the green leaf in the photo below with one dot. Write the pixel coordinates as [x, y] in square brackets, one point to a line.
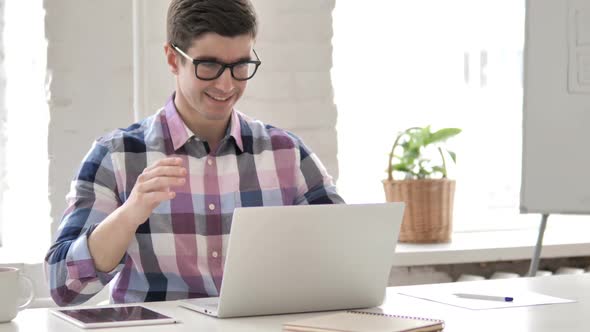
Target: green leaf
[401, 168]
[444, 134]
[426, 136]
[422, 161]
[453, 156]
[409, 146]
[411, 154]
[423, 136]
[440, 170]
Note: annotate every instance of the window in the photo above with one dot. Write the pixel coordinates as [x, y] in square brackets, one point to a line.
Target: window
[25, 206]
[453, 63]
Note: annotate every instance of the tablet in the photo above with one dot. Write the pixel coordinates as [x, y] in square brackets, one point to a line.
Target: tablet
[112, 316]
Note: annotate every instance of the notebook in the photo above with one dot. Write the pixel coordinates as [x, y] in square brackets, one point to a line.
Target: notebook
[358, 321]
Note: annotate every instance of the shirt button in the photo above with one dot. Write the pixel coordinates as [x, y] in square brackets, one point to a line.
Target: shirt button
[210, 162]
[211, 206]
[214, 254]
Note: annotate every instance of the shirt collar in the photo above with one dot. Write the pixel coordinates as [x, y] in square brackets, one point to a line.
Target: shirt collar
[180, 132]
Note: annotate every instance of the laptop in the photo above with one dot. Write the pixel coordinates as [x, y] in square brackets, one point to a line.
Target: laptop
[292, 259]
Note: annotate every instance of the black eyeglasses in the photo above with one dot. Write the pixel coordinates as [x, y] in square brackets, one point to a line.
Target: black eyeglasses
[208, 70]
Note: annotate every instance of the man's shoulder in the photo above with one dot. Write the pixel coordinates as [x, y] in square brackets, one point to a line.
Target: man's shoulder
[257, 130]
[129, 139]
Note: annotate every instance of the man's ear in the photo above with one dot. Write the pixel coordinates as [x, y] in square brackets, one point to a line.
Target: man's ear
[171, 58]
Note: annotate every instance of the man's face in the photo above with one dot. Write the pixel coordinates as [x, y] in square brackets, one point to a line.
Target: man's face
[212, 100]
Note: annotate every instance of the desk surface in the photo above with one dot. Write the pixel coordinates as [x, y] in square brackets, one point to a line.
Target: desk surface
[558, 317]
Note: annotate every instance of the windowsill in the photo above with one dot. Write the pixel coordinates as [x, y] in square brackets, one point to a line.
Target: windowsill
[466, 247]
[13, 256]
[563, 239]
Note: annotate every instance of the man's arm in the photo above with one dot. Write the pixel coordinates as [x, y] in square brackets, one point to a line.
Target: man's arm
[110, 240]
[97, 228]
[92, 197]
[315, 185]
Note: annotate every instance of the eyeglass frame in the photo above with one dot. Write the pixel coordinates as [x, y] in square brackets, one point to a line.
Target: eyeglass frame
[231, 66]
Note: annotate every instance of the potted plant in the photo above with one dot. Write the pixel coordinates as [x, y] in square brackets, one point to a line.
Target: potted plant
[419, 159]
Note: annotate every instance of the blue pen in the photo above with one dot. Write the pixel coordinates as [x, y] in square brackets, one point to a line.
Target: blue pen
[484, 297]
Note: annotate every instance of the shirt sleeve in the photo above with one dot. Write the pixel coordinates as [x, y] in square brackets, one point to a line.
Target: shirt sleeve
[73, 278]
[314, 184]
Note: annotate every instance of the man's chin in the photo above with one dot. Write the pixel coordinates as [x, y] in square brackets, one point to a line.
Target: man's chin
[217, 115]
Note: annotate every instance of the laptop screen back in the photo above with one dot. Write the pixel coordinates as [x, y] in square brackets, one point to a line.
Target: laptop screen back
[308, 258]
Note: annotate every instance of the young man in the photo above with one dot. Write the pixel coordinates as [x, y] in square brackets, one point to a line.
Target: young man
[151, 206]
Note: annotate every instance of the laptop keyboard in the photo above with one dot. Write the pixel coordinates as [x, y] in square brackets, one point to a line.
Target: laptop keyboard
[210, 302]
[212, 305]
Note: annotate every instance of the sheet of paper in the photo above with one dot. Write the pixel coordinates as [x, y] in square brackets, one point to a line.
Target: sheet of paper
[520, 299]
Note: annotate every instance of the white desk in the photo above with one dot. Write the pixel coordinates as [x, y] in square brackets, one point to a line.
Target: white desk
[558, 317]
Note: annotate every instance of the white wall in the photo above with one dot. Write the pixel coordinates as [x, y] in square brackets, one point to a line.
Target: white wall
[293, 89]
[92, 61]
[106, 63]
[89, 58]
[153, 82]
[3, 112]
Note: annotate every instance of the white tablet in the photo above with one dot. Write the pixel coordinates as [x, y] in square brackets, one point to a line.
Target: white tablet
[89, 318]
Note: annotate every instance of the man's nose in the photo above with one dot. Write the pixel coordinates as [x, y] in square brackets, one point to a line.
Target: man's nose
[225, 82]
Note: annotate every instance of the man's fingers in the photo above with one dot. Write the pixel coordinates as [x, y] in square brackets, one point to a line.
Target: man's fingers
[173, 161]
[158, 197]
[161, 183]
[173, 171]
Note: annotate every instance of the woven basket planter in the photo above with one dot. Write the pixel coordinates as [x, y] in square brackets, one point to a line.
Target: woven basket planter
[428, 216]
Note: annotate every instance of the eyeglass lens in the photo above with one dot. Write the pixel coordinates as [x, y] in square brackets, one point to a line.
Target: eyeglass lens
[211, 70]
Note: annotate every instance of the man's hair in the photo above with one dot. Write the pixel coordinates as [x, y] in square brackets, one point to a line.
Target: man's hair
[189, 19]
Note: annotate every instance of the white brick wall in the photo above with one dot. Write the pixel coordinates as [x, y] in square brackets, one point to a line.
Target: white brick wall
[3, 111]
[293, 88]
[89, 59]
[92, 60]
[153, 82]
[294, 56]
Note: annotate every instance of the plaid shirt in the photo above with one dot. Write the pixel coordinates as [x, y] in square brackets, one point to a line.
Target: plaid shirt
[179, 251]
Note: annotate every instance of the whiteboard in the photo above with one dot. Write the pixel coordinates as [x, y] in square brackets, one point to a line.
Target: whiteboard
[556, 119]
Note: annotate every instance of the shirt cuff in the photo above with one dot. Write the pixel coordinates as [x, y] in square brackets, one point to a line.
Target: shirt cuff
[80, 264]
